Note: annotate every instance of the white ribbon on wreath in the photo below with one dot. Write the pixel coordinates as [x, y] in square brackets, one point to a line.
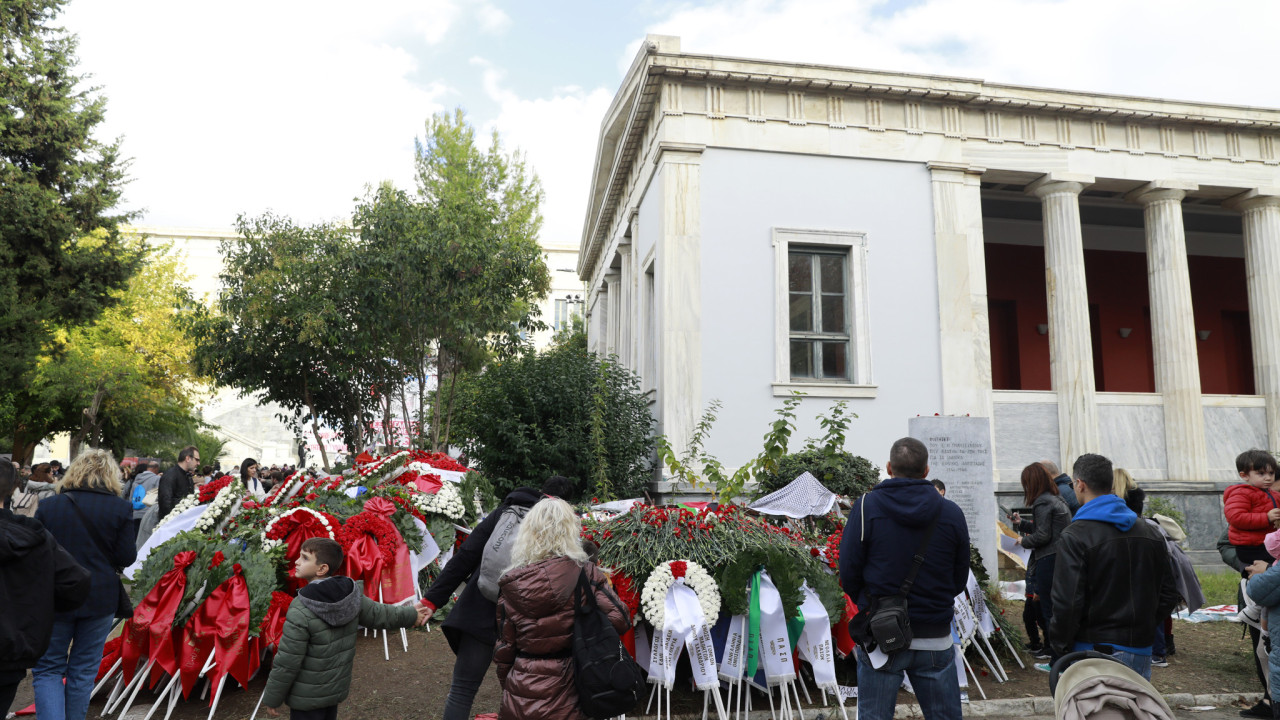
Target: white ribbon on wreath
[814, 645]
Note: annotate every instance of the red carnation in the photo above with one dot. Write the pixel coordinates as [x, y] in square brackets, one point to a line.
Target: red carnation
[678, 568]
[218, 559]
[312, 496]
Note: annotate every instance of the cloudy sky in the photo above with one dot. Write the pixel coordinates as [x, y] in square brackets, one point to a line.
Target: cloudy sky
[241, 106]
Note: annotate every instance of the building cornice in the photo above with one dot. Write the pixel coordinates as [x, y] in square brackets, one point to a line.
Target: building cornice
[664, 84]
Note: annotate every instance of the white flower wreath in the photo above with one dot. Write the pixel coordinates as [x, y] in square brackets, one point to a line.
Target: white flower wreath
[382, 464]
[281, 494]
[183, 505]
[268, 544]
[226, 499]
[654, 595]
[446, 501]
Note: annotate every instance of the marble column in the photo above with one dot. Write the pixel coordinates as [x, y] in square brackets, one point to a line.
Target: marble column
[962, 289]
[1261, 211]
[626, 319]
[678, 306]
[1070, 348]
[1173, 330]
[612, 320]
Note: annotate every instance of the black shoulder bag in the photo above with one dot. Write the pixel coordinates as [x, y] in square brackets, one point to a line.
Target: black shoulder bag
[124, 606]
[889, 624]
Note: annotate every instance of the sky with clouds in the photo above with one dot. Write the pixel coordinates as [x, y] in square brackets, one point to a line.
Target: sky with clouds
[242, 106]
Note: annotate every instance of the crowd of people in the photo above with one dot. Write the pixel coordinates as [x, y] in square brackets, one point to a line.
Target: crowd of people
[1101, 577]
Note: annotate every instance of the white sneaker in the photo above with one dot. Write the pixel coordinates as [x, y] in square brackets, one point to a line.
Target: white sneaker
[1251, 614]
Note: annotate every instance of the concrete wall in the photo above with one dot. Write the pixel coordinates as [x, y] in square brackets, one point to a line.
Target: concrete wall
[745, 195]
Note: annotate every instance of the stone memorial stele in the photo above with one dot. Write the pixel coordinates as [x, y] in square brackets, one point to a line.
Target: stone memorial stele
[960, 456]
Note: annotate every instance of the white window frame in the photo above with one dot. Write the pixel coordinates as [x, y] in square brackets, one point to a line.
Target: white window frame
[861, 383]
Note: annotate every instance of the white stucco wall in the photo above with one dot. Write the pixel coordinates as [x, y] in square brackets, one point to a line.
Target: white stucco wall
[747, 194]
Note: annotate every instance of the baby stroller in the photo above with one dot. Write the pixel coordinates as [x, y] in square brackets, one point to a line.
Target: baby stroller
[1093, 686]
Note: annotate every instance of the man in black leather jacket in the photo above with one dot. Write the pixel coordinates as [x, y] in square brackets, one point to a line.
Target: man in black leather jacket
[176, 483]
[1114, 580]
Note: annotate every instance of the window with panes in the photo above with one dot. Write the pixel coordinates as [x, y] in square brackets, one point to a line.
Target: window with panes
[817, 283]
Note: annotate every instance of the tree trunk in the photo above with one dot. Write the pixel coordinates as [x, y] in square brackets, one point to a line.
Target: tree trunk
[448, 415]
[386, 419]
[88, 422]
[408, 422]
[435, 410]
[315, 426]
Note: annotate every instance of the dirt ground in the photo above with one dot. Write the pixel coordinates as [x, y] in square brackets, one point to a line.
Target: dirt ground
[1210, 658]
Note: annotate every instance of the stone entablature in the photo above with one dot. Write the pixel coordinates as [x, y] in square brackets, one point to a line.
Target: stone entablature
[708, 101]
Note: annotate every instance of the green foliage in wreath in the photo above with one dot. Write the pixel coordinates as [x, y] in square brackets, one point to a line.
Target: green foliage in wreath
[734, 579]
[827, 586]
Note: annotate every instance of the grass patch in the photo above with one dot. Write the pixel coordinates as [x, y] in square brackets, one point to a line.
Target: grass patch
[1219, 586]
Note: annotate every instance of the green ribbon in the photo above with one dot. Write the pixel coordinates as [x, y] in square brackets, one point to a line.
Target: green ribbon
[753, 627]
[795, 627]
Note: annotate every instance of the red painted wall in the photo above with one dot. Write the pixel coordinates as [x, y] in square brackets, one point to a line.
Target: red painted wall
[1118, 296]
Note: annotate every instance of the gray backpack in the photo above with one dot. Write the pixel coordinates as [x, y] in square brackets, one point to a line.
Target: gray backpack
[497, 551]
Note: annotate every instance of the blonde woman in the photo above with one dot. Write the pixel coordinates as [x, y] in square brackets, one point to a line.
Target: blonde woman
[88, 517]
[1126, 488]
[535, 615]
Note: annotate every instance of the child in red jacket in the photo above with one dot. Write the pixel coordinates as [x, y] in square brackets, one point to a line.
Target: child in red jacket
[1252, 509]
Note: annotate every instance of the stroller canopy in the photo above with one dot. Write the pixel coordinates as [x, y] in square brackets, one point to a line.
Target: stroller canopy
[1104, 689]
[802, 497]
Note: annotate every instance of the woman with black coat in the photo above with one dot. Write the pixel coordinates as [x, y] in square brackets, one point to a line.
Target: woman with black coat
[1050, 517]
[88, 517]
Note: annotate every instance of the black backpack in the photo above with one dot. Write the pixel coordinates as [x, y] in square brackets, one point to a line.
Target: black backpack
[609, 681]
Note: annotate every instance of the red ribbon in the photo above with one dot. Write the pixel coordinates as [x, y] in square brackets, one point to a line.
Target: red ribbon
[220, 626]
[380, 506]
[272, 627]
[364, 562]
[429, 484]
[306, 526]
[156, 609]
[840, 629]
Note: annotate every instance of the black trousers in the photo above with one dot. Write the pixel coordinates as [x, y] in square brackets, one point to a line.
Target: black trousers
[325, 713]
[9, 682]
[474, 658]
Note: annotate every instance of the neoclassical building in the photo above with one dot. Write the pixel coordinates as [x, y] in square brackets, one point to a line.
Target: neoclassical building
[1095, 273]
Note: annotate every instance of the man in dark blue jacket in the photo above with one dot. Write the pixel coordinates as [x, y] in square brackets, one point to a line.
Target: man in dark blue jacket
[883, 533]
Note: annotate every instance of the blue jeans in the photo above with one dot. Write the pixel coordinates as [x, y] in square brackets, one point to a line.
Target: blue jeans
[75, 650]
[1140, 664]
[933, 677]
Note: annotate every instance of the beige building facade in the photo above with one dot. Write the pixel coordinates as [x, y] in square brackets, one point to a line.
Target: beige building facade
[759, 227]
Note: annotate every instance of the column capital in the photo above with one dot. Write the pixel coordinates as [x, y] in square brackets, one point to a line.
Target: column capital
[1255, 198]
[678, 152]
[938, 166]
[1158, 190]
[1058, 182]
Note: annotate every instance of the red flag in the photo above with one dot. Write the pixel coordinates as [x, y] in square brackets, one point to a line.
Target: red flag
[137, 632]
[110, 654]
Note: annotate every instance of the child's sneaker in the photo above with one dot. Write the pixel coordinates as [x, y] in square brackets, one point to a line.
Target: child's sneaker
[1251, 613]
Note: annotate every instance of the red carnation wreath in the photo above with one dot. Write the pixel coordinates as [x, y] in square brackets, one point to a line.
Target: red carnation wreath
[382, 531]
[210, 490]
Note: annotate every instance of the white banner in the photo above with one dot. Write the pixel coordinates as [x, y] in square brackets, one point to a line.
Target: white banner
[978, 601]
[775, 646]
[734, 662]
[814, 644]
[177, 524]
[663, 655]
[423, 556]
[642, 646]
[692, 628]
[966, 624]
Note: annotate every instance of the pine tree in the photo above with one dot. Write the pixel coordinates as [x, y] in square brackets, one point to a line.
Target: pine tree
[58, 183]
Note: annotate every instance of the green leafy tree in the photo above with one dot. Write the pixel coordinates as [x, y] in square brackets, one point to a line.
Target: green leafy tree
[124, 378]
[564, 411]
[58, 185]
[292, 321]
[481, 270]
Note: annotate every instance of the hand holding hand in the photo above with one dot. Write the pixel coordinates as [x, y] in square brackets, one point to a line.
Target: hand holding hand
[272, 712]
[1273, 515]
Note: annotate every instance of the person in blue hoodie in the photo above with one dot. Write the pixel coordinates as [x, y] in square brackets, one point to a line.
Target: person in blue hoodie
[1113, 580]
[883, 533]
